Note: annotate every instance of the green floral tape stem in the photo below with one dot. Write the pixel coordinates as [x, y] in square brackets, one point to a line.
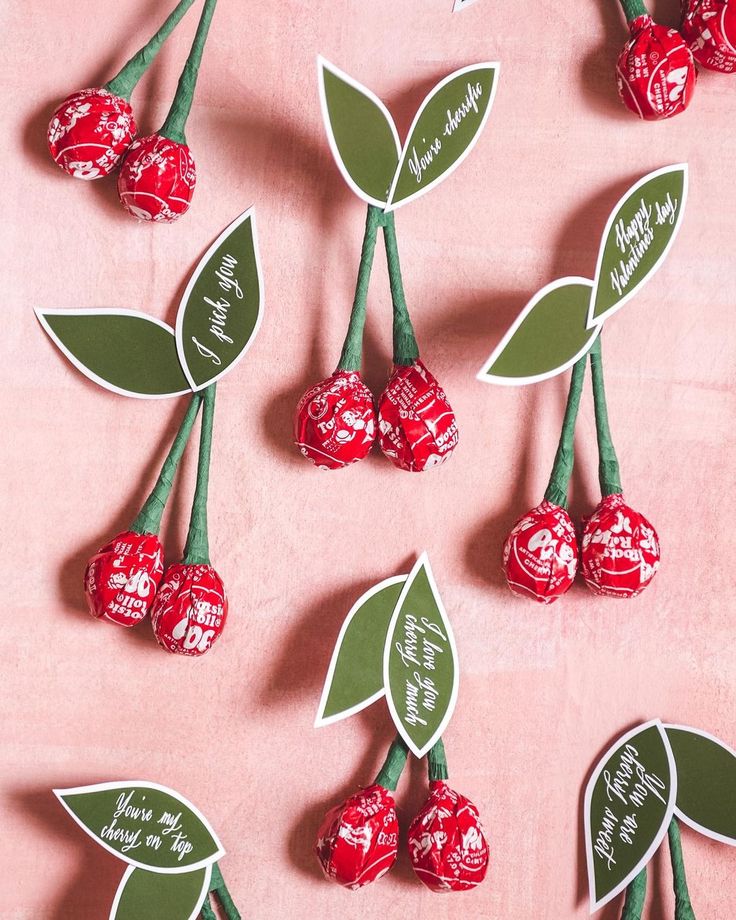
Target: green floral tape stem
[197, 551]
[149, 517]
[437, 762]
[559, 480]
[635, 895]
[406, 350]
[218, 887]
[176, 120]
[126, 80]
[683, 907]
[352, 349]
[390, 773]
[633, 9]
[609, 474]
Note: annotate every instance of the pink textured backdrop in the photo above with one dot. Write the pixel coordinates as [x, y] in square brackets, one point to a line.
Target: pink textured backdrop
[542, 691]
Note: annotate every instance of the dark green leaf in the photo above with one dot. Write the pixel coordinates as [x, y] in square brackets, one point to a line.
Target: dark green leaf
[145, 895]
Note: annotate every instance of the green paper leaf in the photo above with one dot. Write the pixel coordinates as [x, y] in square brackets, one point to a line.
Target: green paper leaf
[361, 132]
[420, 666]
[444, 131]
[549, 335]
[146, 825]
[221, 310]
[122, 350]
[629, 803]
[355, 676]
[637, 237]
[144, 895]
[706, 782]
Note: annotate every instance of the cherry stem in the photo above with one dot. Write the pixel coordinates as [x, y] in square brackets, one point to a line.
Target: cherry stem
[176, 120]
[126, 80]
[559, 480]
[149, 517]
[635, 894]
[389, 774]
[406, 350]
[196, 550]
[609, 473]
[437, 762]
[683, 907]
[633, 9]
[218, 886]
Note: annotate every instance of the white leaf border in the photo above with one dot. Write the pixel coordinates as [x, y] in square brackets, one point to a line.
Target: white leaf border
[422, 562]
[142, 784]
[131, 869]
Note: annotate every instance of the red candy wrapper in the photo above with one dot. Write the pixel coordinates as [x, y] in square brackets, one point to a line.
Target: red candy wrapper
[447, 847]
[89, 133]
[157, 179]
[190, 610]
[655, 72]
[709, 28]
[357, 842]
[121, 579]
[416, 424]
[335, 421]
[620, 549]
[540, 555]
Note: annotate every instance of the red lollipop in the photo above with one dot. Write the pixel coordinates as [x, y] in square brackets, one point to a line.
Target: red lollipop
[709, 28]
[190, 610]
[122, 577]
[335, 421]
[655, 73]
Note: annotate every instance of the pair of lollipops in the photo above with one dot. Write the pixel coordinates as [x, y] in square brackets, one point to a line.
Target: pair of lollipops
[93, 132]
[656, 70]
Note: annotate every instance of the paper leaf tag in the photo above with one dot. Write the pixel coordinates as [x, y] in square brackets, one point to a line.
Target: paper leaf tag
[122, 350]
[146, 825]
[445, 130]
[420, 666]
[638, 236]
[145, 895]
[355, 676]
[361, 133]
[629, 803]
[549, 335]
[706, 782]
[221, 310]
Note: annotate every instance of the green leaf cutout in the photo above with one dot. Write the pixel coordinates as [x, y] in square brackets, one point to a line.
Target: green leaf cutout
[637, 237]
[145, 895]
[549, 335]
[221, 309]
[146, 825]
[122, 350]
[355, 676]
[445, 130]
[420, 667]
[706, 782]
[361, 132]
[629, 802]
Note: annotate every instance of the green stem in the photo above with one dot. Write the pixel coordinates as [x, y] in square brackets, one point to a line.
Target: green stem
[683, 907]
[635, 894]
[197, 551]
[176, 120]
[437, 762]
[609, 474]
[125, 81]
[149, 517]
[217, 884]
[389, 774]
[559, 480]
[633, 9]
[406, 350]
[207, 913]
[352, 349]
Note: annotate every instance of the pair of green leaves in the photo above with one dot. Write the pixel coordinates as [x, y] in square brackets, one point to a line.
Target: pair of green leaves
[168, 844]
[653, 772]
[134, 354]
[396, 642]
[561, 321]
[366, 146]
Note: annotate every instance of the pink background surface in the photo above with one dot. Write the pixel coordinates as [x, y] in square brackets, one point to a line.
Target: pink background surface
[542, 691]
